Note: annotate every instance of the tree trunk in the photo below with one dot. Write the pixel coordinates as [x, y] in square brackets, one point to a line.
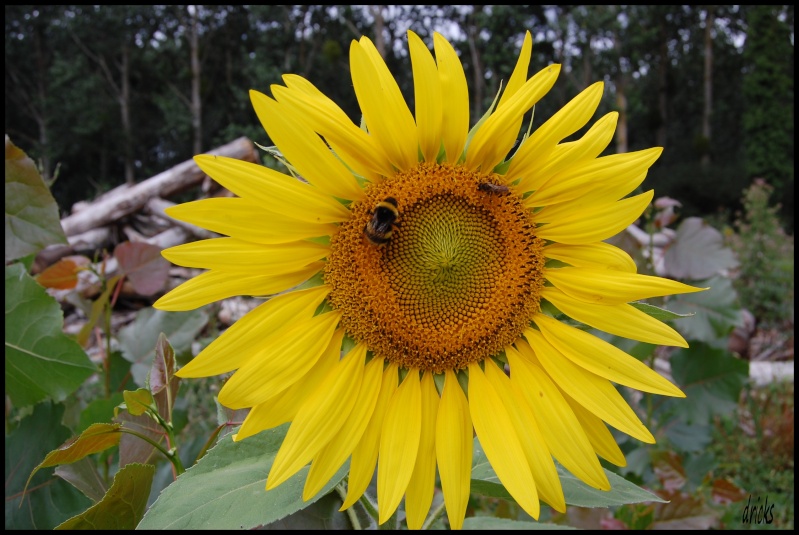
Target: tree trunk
[196, 79]
[663, 97]
[622, 144]
[707, 109]
[380, 24]
[124, 109]
[39, 112]
[478, 76]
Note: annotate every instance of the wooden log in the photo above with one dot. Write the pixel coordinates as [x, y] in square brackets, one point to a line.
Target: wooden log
[170, 182]
[84, 243]
[157, 206]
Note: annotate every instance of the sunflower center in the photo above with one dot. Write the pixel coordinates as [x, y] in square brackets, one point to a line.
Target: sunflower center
[450, 277]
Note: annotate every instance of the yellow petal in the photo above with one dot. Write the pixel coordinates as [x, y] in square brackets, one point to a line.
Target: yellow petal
[593, 392]
[399, 444]
[421, 487]
[500, 442]
[565, 122]
[621, 320]
[602, 358]
[387, 115]
[494, 139]
[275, 191]
[538, 457]
[454, 449]
[605, 286]
[364, 456]
[280, 363]
[320, 418]
[617, 172]
[455, 107]
[598, 434]
[594, 255]
[353, 144]
[284, 406]
[519, 75]
[232, 255]
[247, 220]
[331, 457]
[427, 94]
[536, 172]
[564, 436]
[300, 145]
[580, 221]
[217, 285]
[242, 340]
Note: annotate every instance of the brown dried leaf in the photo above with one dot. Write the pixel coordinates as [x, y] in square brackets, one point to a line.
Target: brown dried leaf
[63, 275]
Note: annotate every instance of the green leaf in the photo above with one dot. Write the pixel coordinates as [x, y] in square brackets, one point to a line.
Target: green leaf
[99, 410]
[689, 437]
[123, 505]
[138, 402]
[83, 475]
[716, 312]
[41, 361]
[32, 220]
[486, 482]
[49, 500]
[138, 340]
[226, 488]
[97, 438]
[712, 380]
[490, 523]
[697, 252]
[659, 313]
[621, 491]
[322, 515]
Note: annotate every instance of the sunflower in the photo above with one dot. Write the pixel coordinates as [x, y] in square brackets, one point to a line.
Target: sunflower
[427, 283]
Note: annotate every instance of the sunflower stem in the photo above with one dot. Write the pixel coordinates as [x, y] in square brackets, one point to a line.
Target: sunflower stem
[342, 492]
[434, 515]
[391, 524]
[370, 507]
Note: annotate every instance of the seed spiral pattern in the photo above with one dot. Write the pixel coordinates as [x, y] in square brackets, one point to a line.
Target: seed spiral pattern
[458, 281]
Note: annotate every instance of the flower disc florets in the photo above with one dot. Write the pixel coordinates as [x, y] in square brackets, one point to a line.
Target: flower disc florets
[458, 280]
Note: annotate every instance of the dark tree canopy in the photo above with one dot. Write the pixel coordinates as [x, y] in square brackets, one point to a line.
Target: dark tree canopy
[97, 108]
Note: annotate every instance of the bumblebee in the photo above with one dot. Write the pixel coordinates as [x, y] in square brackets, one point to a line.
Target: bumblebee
[384, 218]
[497, 189]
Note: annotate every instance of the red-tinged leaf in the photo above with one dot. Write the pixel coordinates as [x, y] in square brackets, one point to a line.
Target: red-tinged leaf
[725, 492]
[139, 401]
[162, 374]
[133, 449]
[97, 438]
[63, 275]
[163, 365]
[670, 470]
[123, 505]
[144, 266]
[683, 512]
